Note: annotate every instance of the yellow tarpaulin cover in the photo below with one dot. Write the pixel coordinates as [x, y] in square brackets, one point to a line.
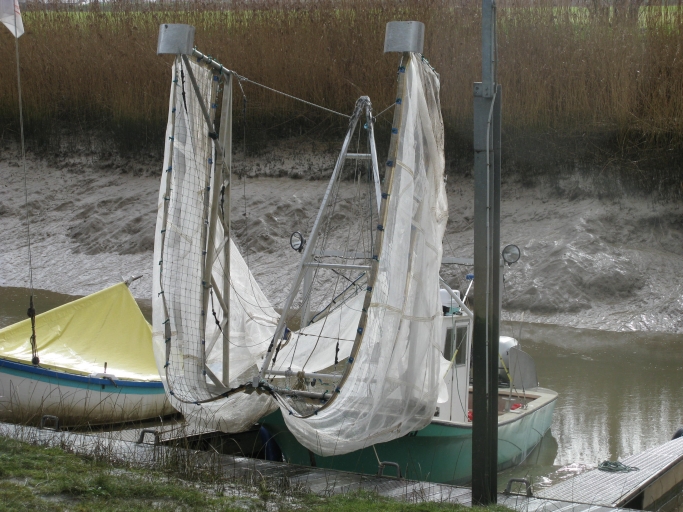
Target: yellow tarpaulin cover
[79, 337]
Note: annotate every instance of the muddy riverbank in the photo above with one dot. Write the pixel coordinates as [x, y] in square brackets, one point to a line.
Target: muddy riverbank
[589, 260]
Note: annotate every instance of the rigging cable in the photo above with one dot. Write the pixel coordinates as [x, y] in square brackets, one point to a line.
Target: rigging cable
[383, 111]
[31, 312]
[215, 64]
[245, 79]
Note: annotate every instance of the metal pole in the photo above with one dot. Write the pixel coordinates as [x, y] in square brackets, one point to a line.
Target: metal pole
[225, 161]
[373, 157]
[310, 243]
[486, 268]
[306, 296]
[207, 117]
[209, 230]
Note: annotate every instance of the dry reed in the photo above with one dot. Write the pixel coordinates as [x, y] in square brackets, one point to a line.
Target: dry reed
[563, 68]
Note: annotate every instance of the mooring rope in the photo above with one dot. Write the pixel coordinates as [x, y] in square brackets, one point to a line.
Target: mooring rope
[31, 312]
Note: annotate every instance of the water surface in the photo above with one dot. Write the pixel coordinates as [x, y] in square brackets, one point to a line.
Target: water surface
[14, 303]
[619, 392]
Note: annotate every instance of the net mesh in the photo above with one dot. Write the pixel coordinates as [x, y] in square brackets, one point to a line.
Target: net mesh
[188, 319]
[184, 247]
[393, 386]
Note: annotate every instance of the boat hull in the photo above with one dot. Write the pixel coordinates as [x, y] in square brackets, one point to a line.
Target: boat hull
[27, 393]
[441, 452]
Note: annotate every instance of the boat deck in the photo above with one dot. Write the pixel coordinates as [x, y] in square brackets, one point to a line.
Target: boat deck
[658, 481]
[316, 480]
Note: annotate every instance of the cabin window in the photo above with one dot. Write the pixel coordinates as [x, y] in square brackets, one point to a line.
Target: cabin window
[456, 339]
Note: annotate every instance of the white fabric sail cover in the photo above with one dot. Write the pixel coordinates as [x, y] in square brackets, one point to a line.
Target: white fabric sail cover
[186, 339]
[393, 386]
[314, 346]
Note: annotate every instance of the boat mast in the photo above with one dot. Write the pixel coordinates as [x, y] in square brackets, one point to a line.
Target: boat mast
[372, 157]
[178, 39]
[224, 158]
[15, 25]
[487, 138]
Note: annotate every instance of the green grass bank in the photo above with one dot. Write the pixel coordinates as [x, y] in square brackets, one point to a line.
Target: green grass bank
[36, 478]
[579, 84]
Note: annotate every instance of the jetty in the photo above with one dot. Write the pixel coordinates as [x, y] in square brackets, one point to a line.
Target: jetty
[656, 484]
[653, 487]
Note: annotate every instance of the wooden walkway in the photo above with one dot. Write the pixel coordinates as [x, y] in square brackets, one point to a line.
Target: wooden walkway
[115, 446]
[658, 481]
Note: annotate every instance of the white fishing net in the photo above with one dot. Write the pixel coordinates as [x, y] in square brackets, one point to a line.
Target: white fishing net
[314, 348]
[187, 335]
[393, 386]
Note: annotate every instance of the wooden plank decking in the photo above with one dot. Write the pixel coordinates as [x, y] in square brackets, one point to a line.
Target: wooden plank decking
[659, 475]
[327, 482]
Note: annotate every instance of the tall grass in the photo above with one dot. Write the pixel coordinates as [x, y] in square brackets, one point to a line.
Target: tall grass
[564, 69]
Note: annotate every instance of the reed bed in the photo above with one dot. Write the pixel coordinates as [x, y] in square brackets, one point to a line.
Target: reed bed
[565, 69]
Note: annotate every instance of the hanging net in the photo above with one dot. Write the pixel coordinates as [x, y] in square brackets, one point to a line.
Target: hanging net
[189, 320]
[367, 366]
[391, 386]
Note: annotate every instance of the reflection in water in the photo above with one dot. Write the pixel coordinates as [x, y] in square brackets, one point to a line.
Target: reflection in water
[619, 393]
[538, 466]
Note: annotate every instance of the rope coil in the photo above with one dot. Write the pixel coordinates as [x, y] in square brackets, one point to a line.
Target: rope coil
[616, 467]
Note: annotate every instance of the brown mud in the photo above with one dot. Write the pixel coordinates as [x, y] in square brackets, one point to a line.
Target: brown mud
[609, 261]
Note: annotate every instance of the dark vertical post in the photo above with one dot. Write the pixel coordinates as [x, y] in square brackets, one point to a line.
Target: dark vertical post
[487, 136]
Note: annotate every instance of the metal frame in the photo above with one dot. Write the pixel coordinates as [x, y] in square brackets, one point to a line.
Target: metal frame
[344, 266]
[304, 271]
[224, 158]
[309, 375]
[219, 179]
[379, 239]
[372, 156]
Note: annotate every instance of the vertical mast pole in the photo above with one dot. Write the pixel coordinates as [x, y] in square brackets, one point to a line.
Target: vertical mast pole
[487, 118]
[225, 162]
[310, 243]
[212, 187]
[35, 360]
[373, 157]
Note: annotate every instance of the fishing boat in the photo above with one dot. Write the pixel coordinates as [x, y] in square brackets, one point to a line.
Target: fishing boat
[366, 365]
[95, 365]
[442, 451]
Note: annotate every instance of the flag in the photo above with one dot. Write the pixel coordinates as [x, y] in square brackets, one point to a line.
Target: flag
[10, 15]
